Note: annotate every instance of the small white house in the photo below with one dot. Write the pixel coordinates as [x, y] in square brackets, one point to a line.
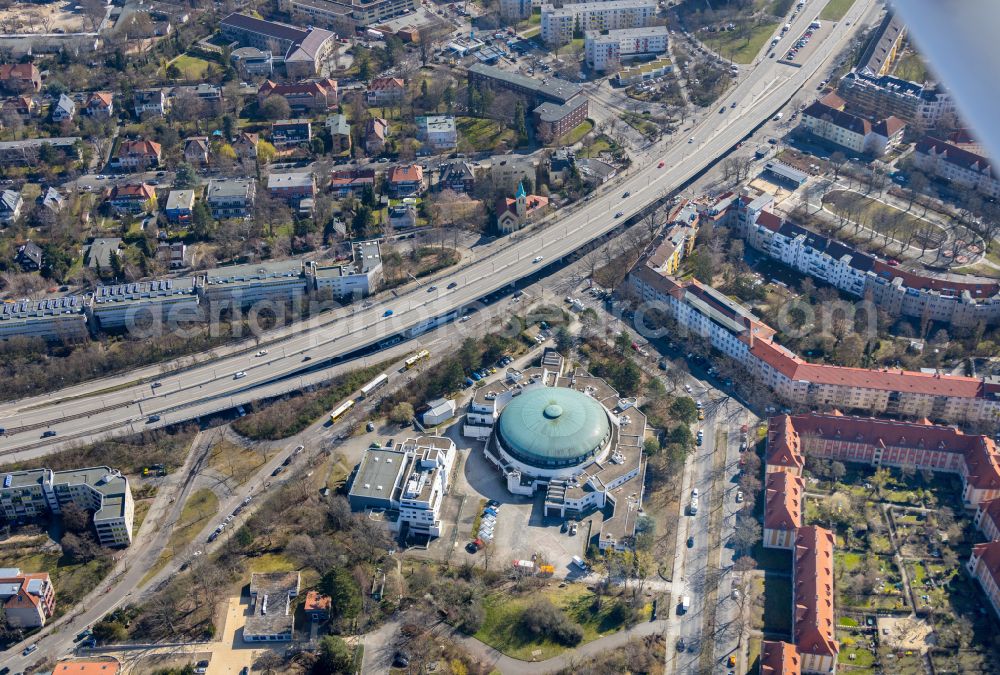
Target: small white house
[440, 410]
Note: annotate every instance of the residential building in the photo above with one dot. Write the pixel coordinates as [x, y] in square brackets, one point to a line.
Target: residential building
[308, 96]
[146, 303]
[172, 254]
[231, 197]
[852, 132]
[180, 204]
[317, 606]
[513, 214]
[251, 62]
[196, 150]
[558, 105]
[784, 175]
[924, 106]
[957, 165]
[677, 240]
[387, 91]
[987, 518]
[99, 252]
[64, 110]
[813, 629]
[410, 478]
[292, 187]
[560, 24]
[243, 285]
[898, 291]
[132, 198]
[605, 50]
[340, 133]
[53, 319]
[25, 153]
[245, 146]
[438, 131]
[23, 106]
[553, 120]
[438, 411]
[86, 667]
[882, 443]
[402, 216]
[20, 78]
[151, 102]
[208, 93]
[783, 492]
[137, 155]
[345, 16]
[458, 176]
[99, 104]
[51, 199]
[11, 203]
[29, 257]
[286, 133]
[883, 46]
[28, 599]
[779, 658]
[508, 171]
[303, 51]
[738, 334]
[406, 180]
[351, 182]
[984, 566]
[33, 493]
[515, 10]
[376, 130]
[359, 277]
[273, 617]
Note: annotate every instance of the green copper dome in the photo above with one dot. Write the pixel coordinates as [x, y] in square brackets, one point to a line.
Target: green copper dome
[553, 426]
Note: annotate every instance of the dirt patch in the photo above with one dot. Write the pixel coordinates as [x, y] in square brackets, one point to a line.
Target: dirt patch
[906, 633]
[31, 18]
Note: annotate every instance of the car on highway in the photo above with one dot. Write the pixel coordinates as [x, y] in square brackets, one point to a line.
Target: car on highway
[453, 284]
[277, 471]
[538, 259]
[722, 110]
[153, 418]
[691, 140]
[681, 644]
[660, 165]
[307, 358]
[82, 635]
[619, 214]
[431, 289]
[262, 352]
[48, 433]
[240, 375]
[690, 542]
[386, 313]
[739, 496]
[29, 649]
[626, 194]
[156, 385]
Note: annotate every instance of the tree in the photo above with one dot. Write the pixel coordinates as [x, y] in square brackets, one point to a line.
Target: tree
[401, 413]
[747, 533]
[564, 340]
[684, 409]
[344, 592]
[837, 470]
[334, 656]
[75, 519]
[275, 107]
[202, 223]
[185, 176]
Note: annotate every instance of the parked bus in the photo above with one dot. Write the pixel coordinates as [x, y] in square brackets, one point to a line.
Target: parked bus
[341, 410]
[374, 385]
[416, 358]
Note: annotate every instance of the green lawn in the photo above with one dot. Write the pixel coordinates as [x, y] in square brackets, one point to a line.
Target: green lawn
[835, 10]
[574, 136]
[599, 145]
[200, 507]
[879, 217]
[853, 650]
[777, 604]
[192, 67]
[501, 625]
[740, 49]
[72, 581]
[483, 134]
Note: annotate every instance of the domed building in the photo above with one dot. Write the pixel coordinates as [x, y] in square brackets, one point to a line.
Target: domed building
[570, 435]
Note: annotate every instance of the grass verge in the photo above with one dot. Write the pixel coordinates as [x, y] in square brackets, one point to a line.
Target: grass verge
[740, 49]
[835, 10]
[198, 510]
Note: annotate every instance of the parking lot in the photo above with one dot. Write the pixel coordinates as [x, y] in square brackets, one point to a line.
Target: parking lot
[808, 41]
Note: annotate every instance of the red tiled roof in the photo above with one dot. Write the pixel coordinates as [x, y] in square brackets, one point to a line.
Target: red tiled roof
[832, 100]
[324, 87]
[783, 501]
[86, 668]
[317, 602]
[889, 126]
[813, 627]
[19, 71]
[779, 658]
[101, 97]
[140, 190]
[386, 83]
[139, 147]
[769, 220]
[783, 445]
[954, 155]
[406, 173]
[991, 510]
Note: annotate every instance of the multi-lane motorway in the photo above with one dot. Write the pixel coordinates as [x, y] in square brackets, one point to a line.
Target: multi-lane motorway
[100, 408]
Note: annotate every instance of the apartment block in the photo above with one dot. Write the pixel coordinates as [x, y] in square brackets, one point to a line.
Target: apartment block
[813, 630]
[52, 319]
[137, 155]
[782, 509]
[560, 23]
[438, 131]
[286, 133]
[32, 493]
[605, 50]
[515, 9]
[311, 95]
[303, 51]
[345, 16]
[411, 477]
[877, 442]
[244, 285]
[898, 291]
[25, 153]
[145, 305]
[357, 278]
[231, 197]
[957, 165]
[271, 599]
[852, 132]
[922, 105]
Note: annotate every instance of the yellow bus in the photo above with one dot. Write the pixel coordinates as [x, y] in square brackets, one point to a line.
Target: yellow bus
[341, 410]
[416, 358]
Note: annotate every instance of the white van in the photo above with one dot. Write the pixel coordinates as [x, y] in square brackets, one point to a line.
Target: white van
[685, 603]
[578, 561]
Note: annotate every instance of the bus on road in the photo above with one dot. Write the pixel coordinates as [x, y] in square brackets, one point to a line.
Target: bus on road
[341, 410]
[416, 358]
[374, 385]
